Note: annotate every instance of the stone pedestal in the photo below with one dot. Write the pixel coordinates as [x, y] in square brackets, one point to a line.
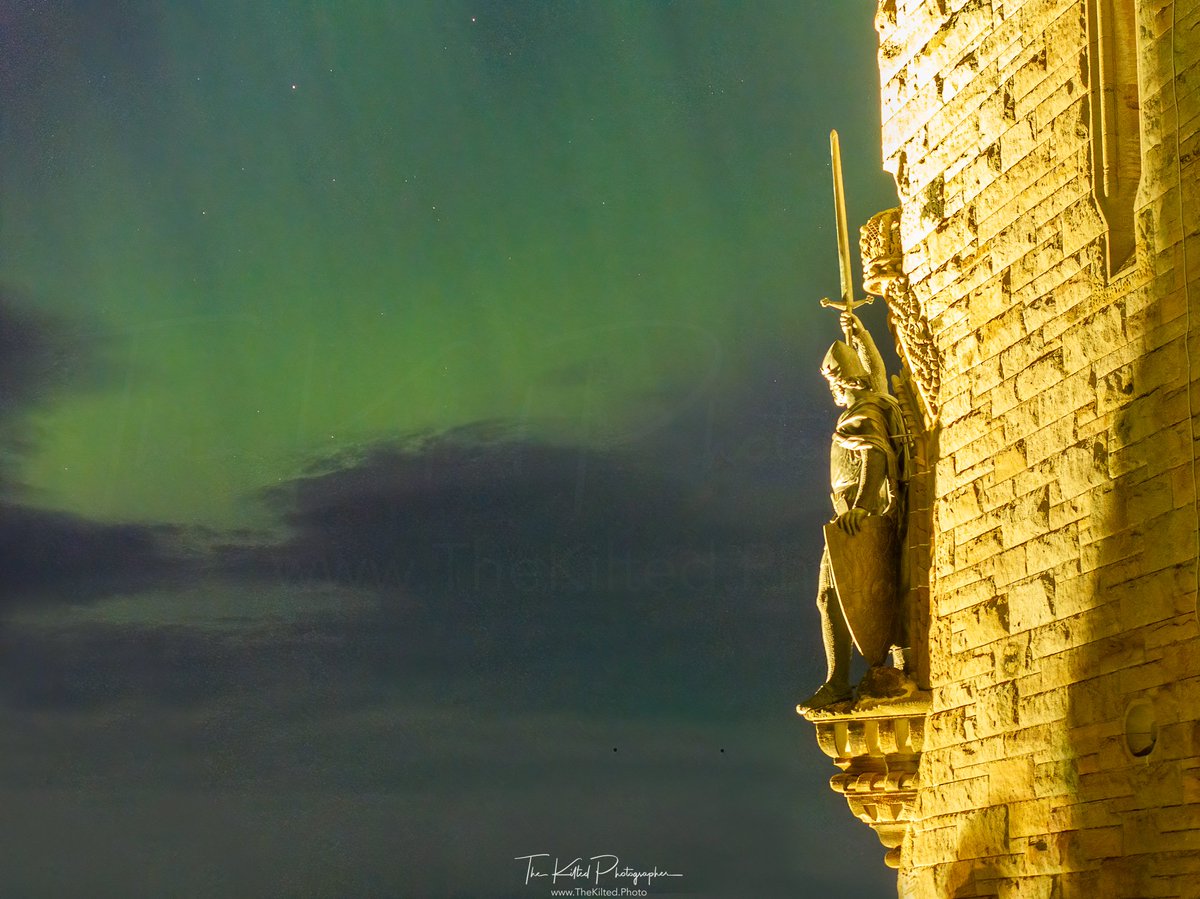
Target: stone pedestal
[878, 748]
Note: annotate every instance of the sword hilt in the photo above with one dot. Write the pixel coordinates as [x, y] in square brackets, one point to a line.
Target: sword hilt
[846, 305]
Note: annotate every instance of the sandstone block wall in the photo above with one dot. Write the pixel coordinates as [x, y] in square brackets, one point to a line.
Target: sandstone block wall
[1063, 632]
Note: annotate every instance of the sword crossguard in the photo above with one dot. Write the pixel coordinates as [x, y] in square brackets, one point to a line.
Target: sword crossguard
[846, 305]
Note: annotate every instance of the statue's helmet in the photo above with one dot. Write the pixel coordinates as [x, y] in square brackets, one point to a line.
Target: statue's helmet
[842, 364]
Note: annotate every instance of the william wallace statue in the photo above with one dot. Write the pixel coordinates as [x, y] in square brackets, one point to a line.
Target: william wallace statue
[857, 586]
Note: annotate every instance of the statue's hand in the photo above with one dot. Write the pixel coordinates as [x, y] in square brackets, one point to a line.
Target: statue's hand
[852, 520]
[850, 324]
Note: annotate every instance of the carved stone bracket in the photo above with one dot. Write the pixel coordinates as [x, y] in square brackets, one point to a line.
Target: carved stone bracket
[883, 276]
[878, 748]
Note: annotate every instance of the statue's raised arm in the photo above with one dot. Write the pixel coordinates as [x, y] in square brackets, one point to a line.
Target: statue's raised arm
[860, 340]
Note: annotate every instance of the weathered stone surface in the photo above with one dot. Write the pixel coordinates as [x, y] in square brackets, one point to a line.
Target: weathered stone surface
[1065, 513]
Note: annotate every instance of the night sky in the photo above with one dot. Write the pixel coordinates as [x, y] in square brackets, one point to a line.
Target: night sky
[412, 444]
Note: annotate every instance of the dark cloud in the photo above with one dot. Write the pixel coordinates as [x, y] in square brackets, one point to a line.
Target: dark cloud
[428, 504]
[498, 567]
[55, 556]
[41, 356]
[545, 573]
[46, 554]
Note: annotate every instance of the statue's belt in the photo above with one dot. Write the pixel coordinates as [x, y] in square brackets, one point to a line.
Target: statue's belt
[842, 501]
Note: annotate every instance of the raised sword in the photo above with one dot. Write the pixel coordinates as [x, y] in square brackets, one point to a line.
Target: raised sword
[847, 303]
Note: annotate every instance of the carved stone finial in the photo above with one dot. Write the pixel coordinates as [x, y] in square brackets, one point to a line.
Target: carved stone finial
[882, 254]
[883, 275]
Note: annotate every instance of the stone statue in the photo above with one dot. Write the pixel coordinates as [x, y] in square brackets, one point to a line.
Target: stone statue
[857, 587]
[865, 468]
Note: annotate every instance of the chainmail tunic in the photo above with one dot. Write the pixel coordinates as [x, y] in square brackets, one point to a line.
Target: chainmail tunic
[865, 425]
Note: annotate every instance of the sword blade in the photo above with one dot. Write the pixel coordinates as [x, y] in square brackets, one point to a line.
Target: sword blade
[843, 235]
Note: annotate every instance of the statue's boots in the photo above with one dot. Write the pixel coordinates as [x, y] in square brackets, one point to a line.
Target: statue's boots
[885, 682]
[827, 694]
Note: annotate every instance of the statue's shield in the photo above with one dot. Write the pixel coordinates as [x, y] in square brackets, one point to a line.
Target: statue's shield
[865, 572]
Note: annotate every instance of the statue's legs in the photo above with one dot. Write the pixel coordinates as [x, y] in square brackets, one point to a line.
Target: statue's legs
[836, 636]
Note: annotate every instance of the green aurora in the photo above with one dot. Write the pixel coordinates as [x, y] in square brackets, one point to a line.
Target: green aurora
[290, 230]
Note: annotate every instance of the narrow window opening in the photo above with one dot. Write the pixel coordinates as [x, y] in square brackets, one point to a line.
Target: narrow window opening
[1116, 132]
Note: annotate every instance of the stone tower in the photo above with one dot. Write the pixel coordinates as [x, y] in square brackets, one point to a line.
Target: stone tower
[1042, 279]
